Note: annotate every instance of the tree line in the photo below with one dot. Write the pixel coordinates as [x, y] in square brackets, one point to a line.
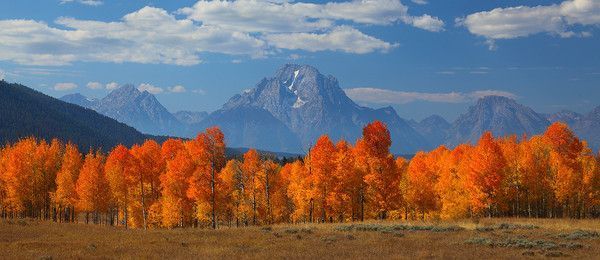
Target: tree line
[182, 183]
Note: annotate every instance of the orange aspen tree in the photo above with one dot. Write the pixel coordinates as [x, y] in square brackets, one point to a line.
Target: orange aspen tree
[345, 183]
[322, 156]
[151, 166]
[421, 177]
[382, 178]
[17, 178]
[250, 168]
[361, 161]
[298, 191]
[453, 197]
[65, 195]
[92, 187]
[208, 151]
[589, 193]
[3, 152]
[534, 163]
[566, 168]
[267, 176]
[121, 168]
[282, 204]
[176, 206]
[231, 179]
[485, 174]
[510, 197]
[47, 160]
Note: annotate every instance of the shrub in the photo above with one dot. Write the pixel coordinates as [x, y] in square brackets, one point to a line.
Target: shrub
[484, 229]
[515, 226]
[580, 234]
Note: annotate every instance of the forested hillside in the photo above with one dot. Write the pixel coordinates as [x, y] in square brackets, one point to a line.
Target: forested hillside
[25, 112]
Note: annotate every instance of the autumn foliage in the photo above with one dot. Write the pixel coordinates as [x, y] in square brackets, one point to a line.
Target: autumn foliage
[191, 183]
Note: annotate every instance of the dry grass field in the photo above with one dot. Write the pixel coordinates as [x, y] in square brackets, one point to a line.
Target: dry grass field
[489, 238]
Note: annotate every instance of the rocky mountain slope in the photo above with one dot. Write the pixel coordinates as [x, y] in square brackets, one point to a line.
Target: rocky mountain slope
[310, 104]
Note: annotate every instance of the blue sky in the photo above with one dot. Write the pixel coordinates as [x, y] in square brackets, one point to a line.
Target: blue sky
[421, 57]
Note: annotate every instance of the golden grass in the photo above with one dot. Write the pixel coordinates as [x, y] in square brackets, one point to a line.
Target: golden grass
[34, 240]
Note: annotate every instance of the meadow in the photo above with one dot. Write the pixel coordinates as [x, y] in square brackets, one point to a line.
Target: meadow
[496, 238]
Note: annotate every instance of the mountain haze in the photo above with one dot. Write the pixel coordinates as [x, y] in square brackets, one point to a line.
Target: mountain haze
[500, 115]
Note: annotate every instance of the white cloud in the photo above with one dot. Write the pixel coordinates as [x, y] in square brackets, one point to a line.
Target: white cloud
[112, 86]
[85, 2]
[150, 88]
[95, 85]
[342, 38]
[277, 17]
[65, 86]
[419, 2]
[426, 22]
[149, 35]
[386, 96]
[177, 89]
[513, 22]
[245, 27]
[2, 75]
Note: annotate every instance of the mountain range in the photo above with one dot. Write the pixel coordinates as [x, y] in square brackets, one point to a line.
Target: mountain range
[290, 110]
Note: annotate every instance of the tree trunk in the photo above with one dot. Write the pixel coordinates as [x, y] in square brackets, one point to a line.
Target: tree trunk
[143, 200]
[212, 192]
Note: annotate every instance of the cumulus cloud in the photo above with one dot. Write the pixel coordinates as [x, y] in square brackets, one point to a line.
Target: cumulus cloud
[419, 2]
[65, 86]
[386, 96]
[2, 75]
[561, 20]
[342, 38]
[150, 88]
[95, 85]
[177, 89]
[112, 86]
[149, 35]
[250, 28]
[85, 2]
[272, 16]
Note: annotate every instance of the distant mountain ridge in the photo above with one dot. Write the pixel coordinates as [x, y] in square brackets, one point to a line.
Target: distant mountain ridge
[190, 117]
[80, 100]
[500, 115]
[139, 109]
[433, 128]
